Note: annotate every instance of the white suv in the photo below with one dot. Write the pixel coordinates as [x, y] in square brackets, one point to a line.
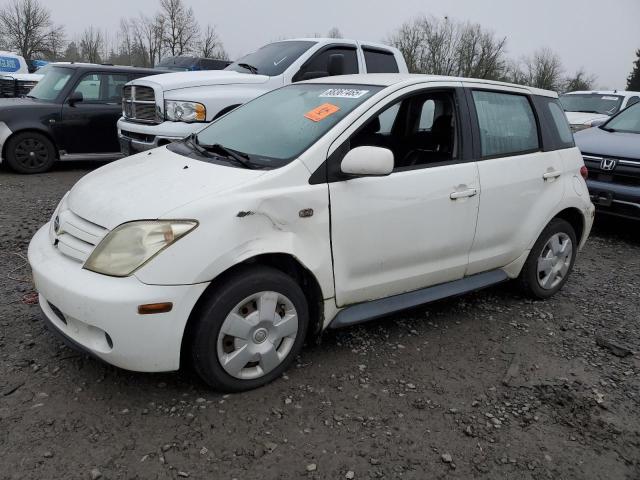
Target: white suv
[592, 108]
[319, 205]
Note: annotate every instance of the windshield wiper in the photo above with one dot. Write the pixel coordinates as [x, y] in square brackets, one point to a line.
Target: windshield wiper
[251, 68]
[241, 158]
[608, 129]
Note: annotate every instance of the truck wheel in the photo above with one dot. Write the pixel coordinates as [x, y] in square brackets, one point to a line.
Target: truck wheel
[550, 261]
[249, 330]
[30, 152]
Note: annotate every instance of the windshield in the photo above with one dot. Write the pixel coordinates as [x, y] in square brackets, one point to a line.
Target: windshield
[278, 126]
[627, 121]
[176, 64]
[54, 80]
[272, 59]
[591, 103]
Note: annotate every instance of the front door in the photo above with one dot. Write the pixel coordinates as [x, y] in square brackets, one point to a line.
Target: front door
[413, 228]
[90, 126]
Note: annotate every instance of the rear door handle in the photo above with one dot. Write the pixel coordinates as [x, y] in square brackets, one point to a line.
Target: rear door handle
[471, 192]
[551, 174]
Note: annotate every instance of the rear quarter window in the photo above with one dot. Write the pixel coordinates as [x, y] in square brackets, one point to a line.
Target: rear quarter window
[556, 132]
[379, 61]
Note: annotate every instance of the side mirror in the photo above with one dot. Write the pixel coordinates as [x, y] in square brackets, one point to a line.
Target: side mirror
[368, 161]
[74, 98]
[335, 64]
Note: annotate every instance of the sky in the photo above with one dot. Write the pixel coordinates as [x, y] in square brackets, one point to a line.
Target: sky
[600, 37]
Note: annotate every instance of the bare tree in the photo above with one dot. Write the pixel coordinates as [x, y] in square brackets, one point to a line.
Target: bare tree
[543, 69]
[580, 80]
[181, 28]
[334, 33]
[211, 46]
[91, 45]
[26, 26]
[447, 47]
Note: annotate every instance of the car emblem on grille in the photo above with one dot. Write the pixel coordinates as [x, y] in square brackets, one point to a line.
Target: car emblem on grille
[56, 225]
[608, 163]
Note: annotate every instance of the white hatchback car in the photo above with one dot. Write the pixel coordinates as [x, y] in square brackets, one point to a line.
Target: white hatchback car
[319, 205]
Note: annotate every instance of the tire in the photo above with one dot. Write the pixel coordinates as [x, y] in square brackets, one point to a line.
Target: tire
[550, 261]
[237, 342]
[30, 152]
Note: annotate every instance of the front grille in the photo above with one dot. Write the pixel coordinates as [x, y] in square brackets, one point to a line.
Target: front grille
[76, 237]
[139, 104]
[623, 171]
[10, 87]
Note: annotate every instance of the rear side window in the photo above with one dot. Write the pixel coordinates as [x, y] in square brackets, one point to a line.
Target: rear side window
[379, 61]
[507, 124]
[556, 132]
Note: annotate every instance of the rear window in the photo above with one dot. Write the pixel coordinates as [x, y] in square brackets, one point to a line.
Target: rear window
[379, 61]
[507, 124]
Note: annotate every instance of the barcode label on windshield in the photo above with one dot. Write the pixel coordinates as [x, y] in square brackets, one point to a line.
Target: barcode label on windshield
[609, 98]
[343, 93]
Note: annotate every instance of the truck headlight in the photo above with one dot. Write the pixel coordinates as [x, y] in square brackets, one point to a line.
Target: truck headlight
[179, 111]
[129, 246]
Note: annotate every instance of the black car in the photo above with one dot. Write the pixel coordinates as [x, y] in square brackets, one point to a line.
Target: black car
[611, 152]
[70, 114]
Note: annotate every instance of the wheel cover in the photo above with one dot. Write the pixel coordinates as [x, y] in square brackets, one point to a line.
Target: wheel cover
[554, 260]
[31, 153]
[257, 335]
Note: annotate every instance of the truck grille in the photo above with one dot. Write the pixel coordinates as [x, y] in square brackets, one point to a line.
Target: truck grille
[76, 237]
[10, 87]
[139, 104]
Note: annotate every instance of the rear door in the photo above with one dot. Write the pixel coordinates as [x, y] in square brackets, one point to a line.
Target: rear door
[89, 126]
[520, 183]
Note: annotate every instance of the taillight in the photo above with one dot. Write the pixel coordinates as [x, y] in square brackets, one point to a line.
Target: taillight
[584, 172]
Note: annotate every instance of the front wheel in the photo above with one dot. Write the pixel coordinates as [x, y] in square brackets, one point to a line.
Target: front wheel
[249, 330]
[30, 152]
[550, 261]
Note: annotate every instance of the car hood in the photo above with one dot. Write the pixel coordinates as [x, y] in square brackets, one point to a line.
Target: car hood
[148, 185]
[172, 81]
[580, 118]
[27, 77]
[615, 144]
[9, 105]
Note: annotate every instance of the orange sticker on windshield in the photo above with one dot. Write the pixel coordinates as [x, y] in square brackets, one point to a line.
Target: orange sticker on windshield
[321, 112]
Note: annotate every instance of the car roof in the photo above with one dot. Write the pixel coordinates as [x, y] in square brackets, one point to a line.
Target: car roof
[405, 79]
[106, 68]
[624, 93]
[348, 41]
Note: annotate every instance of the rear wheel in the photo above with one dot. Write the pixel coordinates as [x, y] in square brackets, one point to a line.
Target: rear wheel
[249, 330]
[30, 152]
[550, 261]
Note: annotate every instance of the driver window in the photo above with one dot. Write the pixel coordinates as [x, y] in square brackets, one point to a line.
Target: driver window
[420, 130]
[89, 86]
[321, 65]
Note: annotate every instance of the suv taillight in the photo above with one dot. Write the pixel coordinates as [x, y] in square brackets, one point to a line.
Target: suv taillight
[584, 172]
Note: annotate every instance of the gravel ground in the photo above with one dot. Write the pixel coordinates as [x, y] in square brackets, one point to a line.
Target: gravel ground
[490, 385]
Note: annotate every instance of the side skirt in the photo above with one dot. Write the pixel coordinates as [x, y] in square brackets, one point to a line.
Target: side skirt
[363, 312]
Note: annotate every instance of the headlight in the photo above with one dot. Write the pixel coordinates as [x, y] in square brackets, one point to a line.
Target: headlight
[129, 246]
[178, 111]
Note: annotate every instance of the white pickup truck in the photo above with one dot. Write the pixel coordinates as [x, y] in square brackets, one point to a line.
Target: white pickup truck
[160, 109]
[15, 79]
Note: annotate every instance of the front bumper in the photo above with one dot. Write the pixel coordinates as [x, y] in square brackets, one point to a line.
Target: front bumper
[615, 199]
[139, 137]
[99, 314]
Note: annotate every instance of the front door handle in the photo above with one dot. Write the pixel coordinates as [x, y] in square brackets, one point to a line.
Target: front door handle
[551, 174]
[471, 192]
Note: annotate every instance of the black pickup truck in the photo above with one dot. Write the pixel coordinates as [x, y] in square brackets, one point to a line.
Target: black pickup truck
[70, 114]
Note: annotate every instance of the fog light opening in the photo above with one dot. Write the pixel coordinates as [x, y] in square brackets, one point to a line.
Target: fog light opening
[151, 308]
